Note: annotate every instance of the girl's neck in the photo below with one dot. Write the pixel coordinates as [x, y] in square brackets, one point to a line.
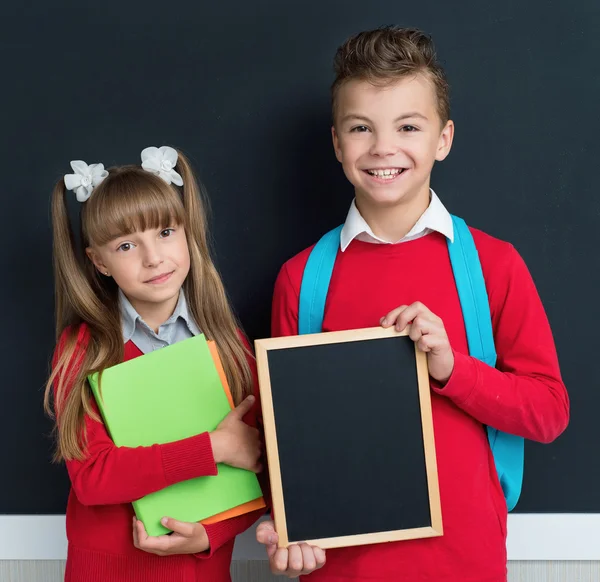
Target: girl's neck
[392, 223]
[155, 314]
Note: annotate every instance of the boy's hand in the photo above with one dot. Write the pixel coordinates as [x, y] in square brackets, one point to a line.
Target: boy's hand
[428, 331]
[296, 560]
[235, 443]
[187, 538]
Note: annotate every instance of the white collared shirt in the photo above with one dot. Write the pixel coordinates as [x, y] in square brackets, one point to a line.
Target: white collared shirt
[435, 218]
[179, 326]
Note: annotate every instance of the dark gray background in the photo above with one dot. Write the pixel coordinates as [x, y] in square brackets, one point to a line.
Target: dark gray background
[243, 88]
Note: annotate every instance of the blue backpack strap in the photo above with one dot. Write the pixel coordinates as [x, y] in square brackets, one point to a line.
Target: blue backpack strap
[508, 450]
[472, 293]
[315, 282]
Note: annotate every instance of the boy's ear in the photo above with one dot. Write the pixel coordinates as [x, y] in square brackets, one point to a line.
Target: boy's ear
[336, 144]
[445, 141]
[95, 258]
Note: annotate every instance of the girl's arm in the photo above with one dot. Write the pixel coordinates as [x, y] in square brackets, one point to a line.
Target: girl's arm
[113, 475]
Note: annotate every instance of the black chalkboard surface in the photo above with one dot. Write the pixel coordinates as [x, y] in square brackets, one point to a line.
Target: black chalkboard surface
[349, 438]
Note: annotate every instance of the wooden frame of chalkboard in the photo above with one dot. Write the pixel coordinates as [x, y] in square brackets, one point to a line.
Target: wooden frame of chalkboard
[297, 429]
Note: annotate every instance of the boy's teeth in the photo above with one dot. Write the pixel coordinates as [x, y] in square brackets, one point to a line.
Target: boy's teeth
[384, 173]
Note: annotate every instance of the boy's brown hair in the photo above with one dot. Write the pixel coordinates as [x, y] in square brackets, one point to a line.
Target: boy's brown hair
[386, 54]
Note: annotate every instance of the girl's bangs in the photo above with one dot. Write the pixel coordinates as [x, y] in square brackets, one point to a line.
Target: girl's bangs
[128, 202]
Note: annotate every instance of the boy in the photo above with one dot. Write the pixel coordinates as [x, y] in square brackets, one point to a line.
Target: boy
[390, 124]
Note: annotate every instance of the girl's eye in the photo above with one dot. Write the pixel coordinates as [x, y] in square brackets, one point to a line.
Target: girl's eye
[167, 232]
[360, 129]
[125, 247]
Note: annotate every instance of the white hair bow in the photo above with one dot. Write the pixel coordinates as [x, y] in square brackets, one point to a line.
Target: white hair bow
[162, 161]
[85, 178]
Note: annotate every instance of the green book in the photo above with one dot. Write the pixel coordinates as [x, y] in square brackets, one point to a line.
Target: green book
[165, 396]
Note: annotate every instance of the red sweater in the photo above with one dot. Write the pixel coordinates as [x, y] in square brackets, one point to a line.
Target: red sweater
[524, 395]
[99, 511]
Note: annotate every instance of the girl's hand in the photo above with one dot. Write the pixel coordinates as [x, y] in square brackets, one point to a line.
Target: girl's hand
[428, 331]
[187, 538]
[235, 443]
[296, 560]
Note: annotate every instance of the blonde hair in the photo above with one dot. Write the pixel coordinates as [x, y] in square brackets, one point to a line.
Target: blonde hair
[129, 199]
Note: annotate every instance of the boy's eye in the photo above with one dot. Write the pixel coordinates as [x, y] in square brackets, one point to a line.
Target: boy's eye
[408, 128]
[166, 232]
[360, 129]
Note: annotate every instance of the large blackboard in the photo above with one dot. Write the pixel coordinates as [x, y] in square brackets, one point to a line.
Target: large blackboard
[243, 88]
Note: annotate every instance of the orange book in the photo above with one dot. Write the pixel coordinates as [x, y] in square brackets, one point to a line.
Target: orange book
[250, 505]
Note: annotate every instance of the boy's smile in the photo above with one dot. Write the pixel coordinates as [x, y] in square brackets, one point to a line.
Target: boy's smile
[387, 138]
[385, 175]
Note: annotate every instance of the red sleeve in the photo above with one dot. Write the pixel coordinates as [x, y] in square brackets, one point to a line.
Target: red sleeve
[223, 531]
[113, 475]
[524, 395]
[284, 311]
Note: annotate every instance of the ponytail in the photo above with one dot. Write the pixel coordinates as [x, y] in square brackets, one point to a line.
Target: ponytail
[205, 292]
[78, 299]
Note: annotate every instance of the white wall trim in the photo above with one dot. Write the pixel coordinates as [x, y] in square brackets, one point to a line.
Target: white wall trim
[530, 537]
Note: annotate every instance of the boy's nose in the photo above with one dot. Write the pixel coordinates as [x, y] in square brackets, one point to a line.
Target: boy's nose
[383, 146]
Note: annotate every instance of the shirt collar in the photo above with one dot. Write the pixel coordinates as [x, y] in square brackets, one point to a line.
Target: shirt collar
[436, 218]
[130, 317]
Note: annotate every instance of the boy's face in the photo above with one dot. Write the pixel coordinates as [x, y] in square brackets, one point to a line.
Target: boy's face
[388, 138]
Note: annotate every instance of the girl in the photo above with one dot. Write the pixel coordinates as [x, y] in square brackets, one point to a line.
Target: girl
[147, 281]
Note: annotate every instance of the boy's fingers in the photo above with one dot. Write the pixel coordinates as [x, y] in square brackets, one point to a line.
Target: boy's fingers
[404, 319]
[429, 343]
[280, 560]
[411, 313]
[271, 549]
[403, 315]
[295, 560]
[423, 346]
[309, 563]
[391, 317]
[266, 534]
[421, 327]
[267, 525]
[319, 556]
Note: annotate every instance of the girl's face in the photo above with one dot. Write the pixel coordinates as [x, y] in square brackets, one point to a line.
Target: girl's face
[149, 266]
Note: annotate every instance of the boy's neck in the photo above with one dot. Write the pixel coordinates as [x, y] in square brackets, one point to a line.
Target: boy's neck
[155, 314]
[393, 223]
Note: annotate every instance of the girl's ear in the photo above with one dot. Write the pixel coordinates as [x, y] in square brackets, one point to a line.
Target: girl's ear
[94, 256]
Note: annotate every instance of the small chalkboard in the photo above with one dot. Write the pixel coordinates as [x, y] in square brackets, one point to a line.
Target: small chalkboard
[349, 438]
